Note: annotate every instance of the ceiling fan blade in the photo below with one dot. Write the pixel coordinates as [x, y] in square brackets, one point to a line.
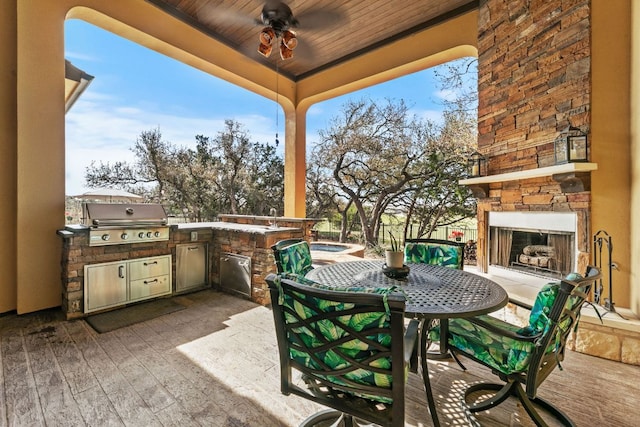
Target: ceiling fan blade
[321, 19]
[217, 16]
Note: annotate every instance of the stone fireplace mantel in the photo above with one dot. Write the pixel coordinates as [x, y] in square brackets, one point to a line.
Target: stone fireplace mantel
[572, 177]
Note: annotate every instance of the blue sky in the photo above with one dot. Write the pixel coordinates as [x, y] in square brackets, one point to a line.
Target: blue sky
[136, 89]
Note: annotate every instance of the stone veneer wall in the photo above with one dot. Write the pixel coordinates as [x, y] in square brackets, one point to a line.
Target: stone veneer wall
[607, 342]
[534, 81]
[534, 78]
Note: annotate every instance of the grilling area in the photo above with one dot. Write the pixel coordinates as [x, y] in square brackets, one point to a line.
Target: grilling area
[128, 253]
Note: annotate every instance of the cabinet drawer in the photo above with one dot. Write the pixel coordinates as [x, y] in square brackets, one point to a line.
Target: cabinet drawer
[149, 267]
[149, 287]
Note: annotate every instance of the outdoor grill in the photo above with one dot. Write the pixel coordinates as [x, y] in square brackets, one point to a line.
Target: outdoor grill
[116, 224]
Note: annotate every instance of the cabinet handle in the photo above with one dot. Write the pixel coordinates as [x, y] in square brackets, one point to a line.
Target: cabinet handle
[150, 263]
[121, 271]
[146, 282]
[193, 248]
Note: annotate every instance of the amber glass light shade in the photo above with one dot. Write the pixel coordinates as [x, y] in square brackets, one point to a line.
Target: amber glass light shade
[267, 36]
[265, 49]
[285, 52]
[289, 39]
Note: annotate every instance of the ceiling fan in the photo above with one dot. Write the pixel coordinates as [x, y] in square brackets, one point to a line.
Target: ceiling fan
[278, 20]
[279, 25]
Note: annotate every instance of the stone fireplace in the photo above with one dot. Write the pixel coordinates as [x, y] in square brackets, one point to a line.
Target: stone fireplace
[534, 222]
[537, 243]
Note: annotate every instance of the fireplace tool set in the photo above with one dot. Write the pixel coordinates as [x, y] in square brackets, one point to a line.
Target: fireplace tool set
[603, 246]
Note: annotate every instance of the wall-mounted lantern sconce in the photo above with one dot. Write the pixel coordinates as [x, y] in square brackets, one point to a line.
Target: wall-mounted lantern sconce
[476, 165]
[571, 146]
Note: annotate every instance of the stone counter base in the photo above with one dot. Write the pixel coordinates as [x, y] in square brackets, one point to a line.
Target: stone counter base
[608, 342]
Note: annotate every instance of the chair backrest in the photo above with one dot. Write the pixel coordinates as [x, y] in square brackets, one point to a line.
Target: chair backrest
[555, 314]
[434, 251]
[347, 345]
[293, 256]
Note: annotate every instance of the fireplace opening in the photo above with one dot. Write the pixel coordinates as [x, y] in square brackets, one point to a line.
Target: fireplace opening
[539, 252]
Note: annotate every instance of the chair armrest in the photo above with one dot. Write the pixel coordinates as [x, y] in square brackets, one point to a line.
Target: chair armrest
[520, 304]
[411, 345]
[504, 332]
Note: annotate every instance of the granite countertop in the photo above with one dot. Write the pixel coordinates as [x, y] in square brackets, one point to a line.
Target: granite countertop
[232, 226]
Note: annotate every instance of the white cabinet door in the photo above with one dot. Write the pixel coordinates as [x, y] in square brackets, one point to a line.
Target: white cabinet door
[105, 285]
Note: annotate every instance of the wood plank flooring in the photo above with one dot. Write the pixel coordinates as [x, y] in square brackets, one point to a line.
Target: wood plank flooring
[216, 364]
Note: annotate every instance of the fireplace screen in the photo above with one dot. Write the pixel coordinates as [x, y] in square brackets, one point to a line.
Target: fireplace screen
[547, 253]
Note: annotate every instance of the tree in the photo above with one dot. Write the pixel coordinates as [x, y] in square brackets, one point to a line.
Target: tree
[228, 173]
[437, 199]
[374, 154]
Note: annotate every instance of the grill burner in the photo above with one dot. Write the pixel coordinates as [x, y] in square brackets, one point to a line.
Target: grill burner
[115, 223]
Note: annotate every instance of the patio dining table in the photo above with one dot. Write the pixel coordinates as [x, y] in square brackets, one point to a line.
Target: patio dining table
[432, 292]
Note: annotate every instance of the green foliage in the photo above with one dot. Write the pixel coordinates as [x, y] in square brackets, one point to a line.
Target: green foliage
[395, 246]
[224, 174]
[375, 157]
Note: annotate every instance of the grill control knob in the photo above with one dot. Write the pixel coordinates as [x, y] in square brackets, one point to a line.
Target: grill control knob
[124, 236]
[141, 234]
[149, 234]
[105, 237]
[156, 234]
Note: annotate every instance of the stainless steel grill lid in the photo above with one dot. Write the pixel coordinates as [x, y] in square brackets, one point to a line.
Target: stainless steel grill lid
[125, 214]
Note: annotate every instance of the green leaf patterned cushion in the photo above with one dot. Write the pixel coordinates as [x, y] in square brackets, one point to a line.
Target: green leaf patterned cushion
[433, 253]
[296, 258]
[373, 349]
[505, 354]
[538, 319]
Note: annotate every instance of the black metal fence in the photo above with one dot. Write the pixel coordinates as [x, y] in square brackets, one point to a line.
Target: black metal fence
[328, 230]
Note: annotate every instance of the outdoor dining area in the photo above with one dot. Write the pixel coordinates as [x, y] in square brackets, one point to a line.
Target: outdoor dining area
[216, 363]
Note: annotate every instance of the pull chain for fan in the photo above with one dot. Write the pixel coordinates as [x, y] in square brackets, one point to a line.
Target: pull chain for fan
[277, 112]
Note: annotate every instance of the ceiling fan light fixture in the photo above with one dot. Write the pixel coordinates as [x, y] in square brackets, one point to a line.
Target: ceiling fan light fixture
[289, 39]
[285, 52]
[265, 49]
[267, 36]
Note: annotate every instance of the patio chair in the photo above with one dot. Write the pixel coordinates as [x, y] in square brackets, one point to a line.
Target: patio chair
[523, 357]
[434, 251]
[350, 348]
[292, 256]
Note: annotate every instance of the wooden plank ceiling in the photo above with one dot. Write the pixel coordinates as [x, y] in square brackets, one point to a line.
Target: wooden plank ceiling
[329, 31]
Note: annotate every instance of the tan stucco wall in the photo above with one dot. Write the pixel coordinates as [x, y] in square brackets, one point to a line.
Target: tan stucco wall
[635, 157]
[610, 133]
[33, 155]
[8, 139]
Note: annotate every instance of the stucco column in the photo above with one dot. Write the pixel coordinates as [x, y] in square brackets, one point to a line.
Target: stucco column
[40, 153]
[8, 141]
[295, 163]
[635, 155]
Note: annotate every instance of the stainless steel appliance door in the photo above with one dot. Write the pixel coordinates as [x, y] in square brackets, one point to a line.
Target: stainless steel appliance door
[191, 266]
[105, 285]
[235, 273]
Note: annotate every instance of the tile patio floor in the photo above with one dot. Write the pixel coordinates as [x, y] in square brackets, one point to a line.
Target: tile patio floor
[216, 364]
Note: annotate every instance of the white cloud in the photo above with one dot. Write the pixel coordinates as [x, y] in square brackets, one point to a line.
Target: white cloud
[100, 132]
[431, 115]
[447, 94]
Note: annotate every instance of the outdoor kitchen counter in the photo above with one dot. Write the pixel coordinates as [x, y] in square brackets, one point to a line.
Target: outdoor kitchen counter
[232, 226]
